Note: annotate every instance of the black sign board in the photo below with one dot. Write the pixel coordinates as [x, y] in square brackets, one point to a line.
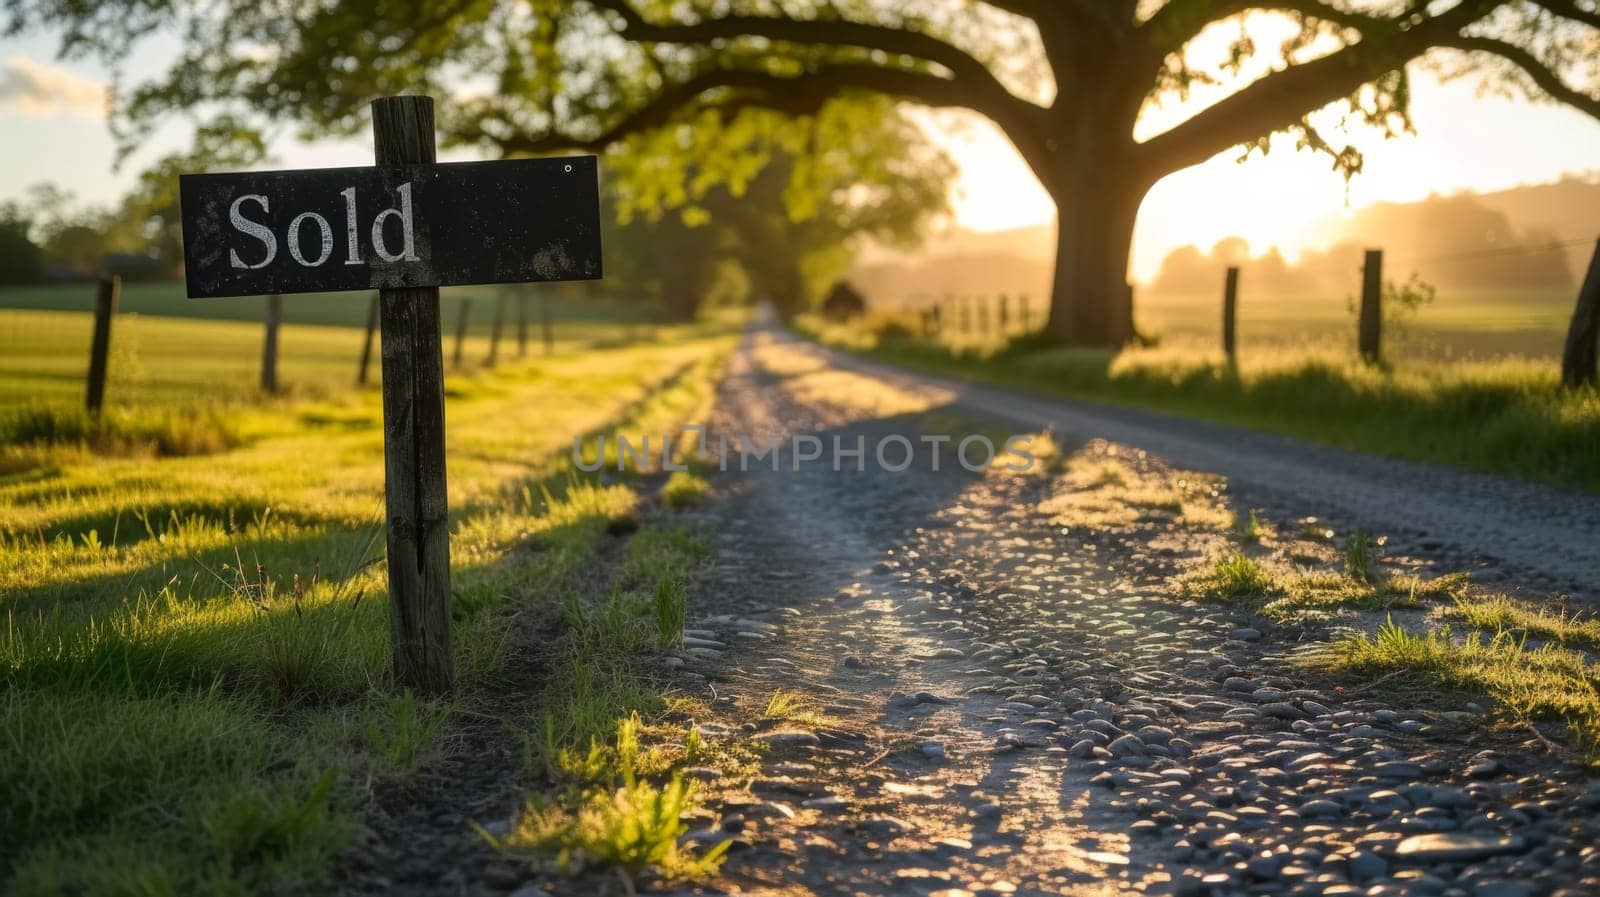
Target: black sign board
[449, 224]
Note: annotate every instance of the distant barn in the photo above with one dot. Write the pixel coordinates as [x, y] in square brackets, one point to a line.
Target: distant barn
[843, 303]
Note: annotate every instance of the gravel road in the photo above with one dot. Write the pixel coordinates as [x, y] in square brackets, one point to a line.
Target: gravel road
[1535, 534]
[1000, 703]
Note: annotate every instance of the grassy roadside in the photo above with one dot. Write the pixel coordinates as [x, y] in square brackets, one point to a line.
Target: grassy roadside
[1502, 416]
[1535, 663]
[193, 655]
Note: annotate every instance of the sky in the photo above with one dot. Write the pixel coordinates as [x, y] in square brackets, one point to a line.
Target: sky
[52, 122]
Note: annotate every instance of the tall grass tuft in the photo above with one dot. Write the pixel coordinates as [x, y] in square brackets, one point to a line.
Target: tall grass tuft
[627, 824]
[163, 431]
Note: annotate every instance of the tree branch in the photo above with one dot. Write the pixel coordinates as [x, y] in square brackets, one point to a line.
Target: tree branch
[1281, 99]
[897, 41]
[1542, 75]
[1180, 21]
[799, 95]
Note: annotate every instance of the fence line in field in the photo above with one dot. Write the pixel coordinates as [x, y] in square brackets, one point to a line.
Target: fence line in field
[969, 316]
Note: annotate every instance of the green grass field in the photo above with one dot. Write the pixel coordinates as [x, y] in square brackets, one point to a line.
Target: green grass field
[1458, 324]
[1503, 415]
[167, 299]
[193, 655]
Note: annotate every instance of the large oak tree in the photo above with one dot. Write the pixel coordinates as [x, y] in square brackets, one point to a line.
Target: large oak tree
[1066, 80]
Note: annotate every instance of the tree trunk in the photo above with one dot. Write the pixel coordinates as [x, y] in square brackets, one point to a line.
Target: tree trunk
[1090, 301]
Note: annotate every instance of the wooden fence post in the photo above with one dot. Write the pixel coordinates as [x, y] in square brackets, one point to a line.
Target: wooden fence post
[366, 345]
[105, 308]
[983, 315]
[413, 437]
[269, 344]
[1005, 317]
[1022, 312]
[461, 331]
[1578, 364]
[1370, 336]
[1230, 309]
[547, 325]
[494, 330]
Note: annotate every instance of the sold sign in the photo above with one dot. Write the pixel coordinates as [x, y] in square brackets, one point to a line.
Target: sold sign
[404, 227]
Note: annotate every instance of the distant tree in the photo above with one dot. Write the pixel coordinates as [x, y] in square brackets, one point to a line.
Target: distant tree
[843, 302]
[147, 222]
[21, 260]
[788, 220]
[1066, 80]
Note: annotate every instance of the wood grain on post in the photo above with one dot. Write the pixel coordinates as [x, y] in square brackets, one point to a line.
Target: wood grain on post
[1578, 361]
[1230, 311]
[366, 345]
[1370, 335]
[499, 322]
[269, 344]
[461, 331]
[105, 308]
[413, 438]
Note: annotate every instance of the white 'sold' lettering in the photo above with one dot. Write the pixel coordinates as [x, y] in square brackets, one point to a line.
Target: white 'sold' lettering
[258, 204]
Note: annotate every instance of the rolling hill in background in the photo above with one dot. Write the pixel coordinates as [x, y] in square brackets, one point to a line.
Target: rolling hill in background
[1466, 241]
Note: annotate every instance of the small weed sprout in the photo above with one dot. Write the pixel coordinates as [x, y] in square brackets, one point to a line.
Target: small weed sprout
[1248, 527]
[672, 608]
[1361, 555]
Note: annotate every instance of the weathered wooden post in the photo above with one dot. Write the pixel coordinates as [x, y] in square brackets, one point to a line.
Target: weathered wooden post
[413, 437]
[269, 344]
[1578, 365]
[1005, 317]
[1370, 334]
[405, 227]
[494, 329]
[366, 344]
[547, 325]
[105, 308]
[461, 331]
[522, 324]
[1230, 308]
